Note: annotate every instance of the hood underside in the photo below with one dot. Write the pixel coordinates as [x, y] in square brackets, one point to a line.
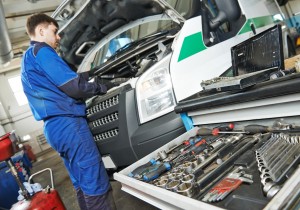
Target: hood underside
[99, 18]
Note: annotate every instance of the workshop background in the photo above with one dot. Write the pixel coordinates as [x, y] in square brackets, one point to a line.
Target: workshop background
[15, 113]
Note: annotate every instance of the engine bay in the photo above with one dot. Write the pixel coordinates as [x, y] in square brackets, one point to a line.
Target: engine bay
[136, 58]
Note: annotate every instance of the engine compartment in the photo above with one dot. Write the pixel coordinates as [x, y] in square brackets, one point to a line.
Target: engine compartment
[136, 58]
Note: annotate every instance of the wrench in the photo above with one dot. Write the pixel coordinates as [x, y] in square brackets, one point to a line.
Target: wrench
[283, 162]
[267, 144]
[280, 156]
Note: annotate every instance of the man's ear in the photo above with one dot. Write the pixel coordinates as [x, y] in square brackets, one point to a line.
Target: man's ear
[39, 30]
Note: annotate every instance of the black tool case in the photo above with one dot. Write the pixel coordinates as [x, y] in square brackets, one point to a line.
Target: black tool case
[253, 61]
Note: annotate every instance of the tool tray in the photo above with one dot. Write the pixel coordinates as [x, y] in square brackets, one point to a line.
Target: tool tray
[246, 196]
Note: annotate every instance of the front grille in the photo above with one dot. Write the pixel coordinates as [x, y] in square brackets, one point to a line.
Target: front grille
[103, 116]
[105, 120]
[106, 135]
[103, 105]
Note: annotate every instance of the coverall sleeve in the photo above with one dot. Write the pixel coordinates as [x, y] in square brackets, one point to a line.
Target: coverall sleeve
[58, 72]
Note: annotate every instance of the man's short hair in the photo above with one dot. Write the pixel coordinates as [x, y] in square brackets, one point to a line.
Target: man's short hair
[34, 20]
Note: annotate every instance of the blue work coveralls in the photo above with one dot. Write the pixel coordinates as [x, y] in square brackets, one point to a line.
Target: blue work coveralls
[54, 93]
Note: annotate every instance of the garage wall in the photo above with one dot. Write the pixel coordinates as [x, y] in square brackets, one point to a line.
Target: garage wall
[18, 118]
[289, 10]
[2, 131]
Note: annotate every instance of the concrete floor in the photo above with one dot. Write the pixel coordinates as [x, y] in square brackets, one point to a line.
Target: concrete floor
[62, 183]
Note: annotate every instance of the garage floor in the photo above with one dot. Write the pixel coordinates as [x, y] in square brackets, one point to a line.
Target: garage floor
[62, 183]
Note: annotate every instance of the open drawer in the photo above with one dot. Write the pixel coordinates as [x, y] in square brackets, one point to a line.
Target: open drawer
[246, 196]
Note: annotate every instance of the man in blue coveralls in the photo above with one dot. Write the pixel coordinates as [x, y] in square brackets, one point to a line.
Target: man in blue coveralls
[55, 94]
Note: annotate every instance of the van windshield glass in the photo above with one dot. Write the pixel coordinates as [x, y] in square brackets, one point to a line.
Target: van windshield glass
[125, 39]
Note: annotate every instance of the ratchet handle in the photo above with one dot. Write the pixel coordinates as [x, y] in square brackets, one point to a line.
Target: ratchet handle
[156, 172]
[141, 168]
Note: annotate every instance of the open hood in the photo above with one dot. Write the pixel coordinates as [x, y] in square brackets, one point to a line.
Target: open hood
[84, 22]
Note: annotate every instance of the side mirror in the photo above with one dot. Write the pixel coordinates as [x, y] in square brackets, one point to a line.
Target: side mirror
[229, 10]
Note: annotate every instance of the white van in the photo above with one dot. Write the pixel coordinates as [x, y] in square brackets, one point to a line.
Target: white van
[159, 52]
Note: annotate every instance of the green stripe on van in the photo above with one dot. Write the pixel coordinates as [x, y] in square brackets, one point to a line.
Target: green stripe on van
[191, 45]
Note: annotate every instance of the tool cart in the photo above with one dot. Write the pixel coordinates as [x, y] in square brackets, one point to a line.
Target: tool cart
[244, 149]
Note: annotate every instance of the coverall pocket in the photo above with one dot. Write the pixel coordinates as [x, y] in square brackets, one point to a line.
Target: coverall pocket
[92, 177]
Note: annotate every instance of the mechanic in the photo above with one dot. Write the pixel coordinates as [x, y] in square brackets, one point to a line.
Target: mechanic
[55, 94]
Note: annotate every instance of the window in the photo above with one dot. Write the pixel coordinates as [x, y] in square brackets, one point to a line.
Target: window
[16, 86]
[220, 21]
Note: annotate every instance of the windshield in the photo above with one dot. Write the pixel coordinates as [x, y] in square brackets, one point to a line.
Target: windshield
[133, 35]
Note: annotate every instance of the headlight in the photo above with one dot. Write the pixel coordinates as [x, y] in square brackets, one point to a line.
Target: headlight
[154, 94]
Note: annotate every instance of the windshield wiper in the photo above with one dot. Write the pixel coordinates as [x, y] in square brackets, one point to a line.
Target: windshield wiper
[137, 42]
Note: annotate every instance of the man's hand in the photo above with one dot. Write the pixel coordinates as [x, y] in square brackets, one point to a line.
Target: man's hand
[107, 83]
[110, 85]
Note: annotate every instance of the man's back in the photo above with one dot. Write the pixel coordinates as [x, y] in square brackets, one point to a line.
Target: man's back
[42, 72]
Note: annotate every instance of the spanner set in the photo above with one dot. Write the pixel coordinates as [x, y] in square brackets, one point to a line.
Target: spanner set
[276, 158]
